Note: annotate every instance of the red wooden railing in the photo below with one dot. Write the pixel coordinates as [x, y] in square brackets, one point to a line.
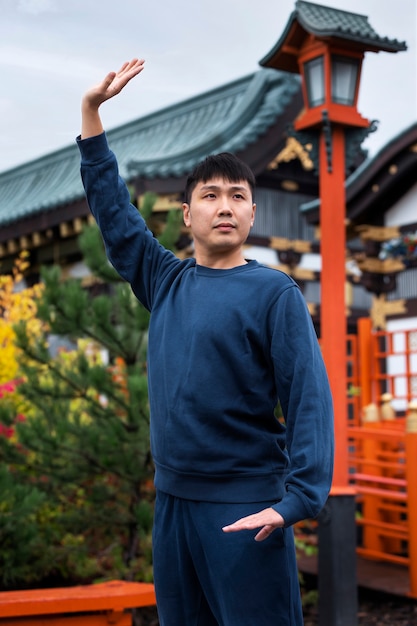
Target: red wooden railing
[88, 605]
[382, 443]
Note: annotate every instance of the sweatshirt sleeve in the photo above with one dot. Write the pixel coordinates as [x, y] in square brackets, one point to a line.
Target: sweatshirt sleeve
[130, 246]
[306, 402]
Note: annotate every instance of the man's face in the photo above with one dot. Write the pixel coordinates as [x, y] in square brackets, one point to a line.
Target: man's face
[220, 215]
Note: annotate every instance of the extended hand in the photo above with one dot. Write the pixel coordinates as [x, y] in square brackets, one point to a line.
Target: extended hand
[113, 83]
[268, 519]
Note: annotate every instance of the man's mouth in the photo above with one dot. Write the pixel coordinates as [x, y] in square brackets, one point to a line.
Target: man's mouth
[225, 226]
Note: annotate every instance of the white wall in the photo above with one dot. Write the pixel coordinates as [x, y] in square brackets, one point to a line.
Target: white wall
[404, 211]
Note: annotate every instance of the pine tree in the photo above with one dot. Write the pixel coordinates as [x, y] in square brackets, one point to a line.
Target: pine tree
[85, 443]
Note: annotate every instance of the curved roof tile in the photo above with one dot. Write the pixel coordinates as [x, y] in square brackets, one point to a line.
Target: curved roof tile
[323, 22]
[229, 118]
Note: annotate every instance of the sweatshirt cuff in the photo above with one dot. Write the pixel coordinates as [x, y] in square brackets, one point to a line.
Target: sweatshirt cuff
[292, 509]
[93, 149]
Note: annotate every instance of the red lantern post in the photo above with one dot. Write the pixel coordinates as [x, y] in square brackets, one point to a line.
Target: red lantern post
[326, 46]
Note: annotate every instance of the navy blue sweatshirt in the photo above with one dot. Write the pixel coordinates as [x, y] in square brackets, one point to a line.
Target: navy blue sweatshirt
[224, 347]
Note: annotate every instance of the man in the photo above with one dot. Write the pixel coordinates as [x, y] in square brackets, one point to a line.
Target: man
[228, 339]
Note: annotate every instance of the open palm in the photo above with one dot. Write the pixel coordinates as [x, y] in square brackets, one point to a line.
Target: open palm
[113, 83]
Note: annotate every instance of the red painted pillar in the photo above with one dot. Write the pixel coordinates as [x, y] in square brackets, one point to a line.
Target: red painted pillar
[333, 275]
[411, 465]
[365, 337]
[337, 529]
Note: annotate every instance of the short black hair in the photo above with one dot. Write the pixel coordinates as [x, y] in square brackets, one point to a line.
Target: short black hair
[224, 165]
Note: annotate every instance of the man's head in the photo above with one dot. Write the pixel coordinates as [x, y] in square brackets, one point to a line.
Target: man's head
[224, 165]
[220, 210]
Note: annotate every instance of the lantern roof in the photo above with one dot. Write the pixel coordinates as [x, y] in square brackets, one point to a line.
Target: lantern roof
[326, 24]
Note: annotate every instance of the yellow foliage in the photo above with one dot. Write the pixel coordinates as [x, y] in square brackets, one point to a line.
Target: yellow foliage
[65, 360]
[15, 305]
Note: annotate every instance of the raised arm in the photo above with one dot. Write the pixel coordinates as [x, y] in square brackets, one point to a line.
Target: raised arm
[112, 85]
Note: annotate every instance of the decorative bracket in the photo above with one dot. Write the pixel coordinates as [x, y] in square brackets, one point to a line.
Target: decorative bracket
[309, 139]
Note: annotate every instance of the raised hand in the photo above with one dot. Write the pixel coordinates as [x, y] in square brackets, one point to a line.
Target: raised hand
[113, 84]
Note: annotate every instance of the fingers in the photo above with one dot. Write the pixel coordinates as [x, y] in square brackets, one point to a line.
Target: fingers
[115, 81]
[108, 80]
[130, 64]
[243, 524]
[264, 533]
[110, 86]
[267, 520]
[125, 64]
[131, 68]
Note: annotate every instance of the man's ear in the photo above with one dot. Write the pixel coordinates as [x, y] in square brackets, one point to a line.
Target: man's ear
[186, 214]
[253, 214]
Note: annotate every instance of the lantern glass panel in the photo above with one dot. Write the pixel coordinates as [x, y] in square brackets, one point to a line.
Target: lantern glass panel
[344, 77]
[314, 77]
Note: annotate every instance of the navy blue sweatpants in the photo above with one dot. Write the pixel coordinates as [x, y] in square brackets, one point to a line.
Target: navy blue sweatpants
[205, 577]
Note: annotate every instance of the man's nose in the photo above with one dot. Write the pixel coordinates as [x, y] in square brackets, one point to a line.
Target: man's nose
[224, 207]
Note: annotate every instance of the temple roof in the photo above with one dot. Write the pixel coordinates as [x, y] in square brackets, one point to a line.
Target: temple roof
[167, 143]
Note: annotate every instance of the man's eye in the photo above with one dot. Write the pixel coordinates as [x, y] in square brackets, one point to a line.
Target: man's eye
[239, 196]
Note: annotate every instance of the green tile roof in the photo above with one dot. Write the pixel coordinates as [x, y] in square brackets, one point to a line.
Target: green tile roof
[229, 118]
[324, 22]
[167, 143]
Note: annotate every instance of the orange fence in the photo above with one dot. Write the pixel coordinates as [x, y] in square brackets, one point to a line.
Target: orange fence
[87, 605]
[383, 444]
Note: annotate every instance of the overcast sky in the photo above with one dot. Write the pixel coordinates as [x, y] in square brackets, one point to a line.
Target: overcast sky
[51, 51]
